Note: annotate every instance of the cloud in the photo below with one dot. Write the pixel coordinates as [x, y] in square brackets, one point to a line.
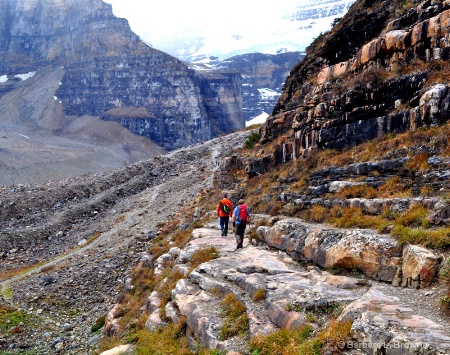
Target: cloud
[161, 21]
[196, 30]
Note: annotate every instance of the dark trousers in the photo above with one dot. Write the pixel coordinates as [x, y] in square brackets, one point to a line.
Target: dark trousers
[239, 233]
[224, 224]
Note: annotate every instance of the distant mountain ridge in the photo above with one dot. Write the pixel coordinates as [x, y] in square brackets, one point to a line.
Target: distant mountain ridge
[263, 76]
[108, 70]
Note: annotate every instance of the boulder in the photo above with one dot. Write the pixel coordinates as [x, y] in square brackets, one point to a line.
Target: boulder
[119, 350]
[153, 302]
[112, 327]
[154, 321]
[420, 266]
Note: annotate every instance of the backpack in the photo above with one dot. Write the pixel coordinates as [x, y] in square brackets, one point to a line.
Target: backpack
[243, 214]
[224, 207]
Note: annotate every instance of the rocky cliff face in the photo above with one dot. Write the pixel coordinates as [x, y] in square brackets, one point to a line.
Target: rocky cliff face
[111, 73]
[383, 68]
[263, 76]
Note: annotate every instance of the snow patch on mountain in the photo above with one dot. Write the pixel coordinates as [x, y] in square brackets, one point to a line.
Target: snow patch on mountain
[257, 120]
[25, 76]
[268, 94]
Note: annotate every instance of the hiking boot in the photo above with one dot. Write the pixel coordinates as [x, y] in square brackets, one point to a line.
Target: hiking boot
[222, 234]
[239, 246]
[225, 234]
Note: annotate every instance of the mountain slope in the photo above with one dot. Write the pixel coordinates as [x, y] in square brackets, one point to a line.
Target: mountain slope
[38, 142]
[107, 67]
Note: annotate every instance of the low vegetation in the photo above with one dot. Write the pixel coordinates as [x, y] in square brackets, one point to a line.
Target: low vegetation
[252, 139]
[11, 319]
[259, 295]
[303, 340]
[169, 340]
[203, 256]
[236, 321]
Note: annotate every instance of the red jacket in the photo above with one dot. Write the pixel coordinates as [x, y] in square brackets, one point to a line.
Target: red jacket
[225, 201]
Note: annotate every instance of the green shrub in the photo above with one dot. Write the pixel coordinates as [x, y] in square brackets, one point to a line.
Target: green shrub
[252, 140]
[99, 323]
[10, 318]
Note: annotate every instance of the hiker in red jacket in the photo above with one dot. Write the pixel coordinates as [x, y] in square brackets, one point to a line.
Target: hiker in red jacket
[224, 210]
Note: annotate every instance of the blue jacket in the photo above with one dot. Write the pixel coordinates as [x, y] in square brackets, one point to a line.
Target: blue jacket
[236, 211]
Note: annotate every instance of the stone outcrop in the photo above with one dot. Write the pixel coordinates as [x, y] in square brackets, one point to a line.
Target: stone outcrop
[419, 266]
[293, 294]
[349, 91]
[111, 73]
[245, 272]
[381, 324]
[377, 256]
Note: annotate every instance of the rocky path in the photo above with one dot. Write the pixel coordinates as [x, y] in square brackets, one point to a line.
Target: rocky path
[383, 316]
[83, 268]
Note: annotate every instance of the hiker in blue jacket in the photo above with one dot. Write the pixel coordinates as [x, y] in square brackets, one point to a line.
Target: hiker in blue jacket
[240, 218]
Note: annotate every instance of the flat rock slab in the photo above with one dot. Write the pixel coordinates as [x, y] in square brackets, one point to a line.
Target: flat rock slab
[243, 273]
[378, 256]
[293, 292]
[205, 237]
[381, 322]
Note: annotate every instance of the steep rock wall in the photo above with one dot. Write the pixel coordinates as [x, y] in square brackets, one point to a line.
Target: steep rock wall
[111, 73]
[263, 76]
[389, 84]
[222, 95]
[160, 85]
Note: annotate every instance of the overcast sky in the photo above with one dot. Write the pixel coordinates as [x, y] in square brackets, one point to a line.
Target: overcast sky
[159, 21]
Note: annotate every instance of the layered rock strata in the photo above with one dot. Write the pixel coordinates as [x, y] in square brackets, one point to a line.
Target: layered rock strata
[377, 86]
